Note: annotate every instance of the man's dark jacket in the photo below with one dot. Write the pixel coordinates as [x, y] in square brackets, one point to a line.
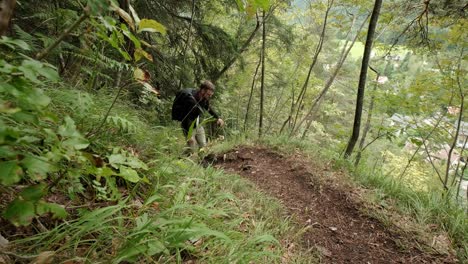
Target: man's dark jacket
[186, 108]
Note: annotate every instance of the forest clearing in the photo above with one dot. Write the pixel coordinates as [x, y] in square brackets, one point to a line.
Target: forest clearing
[233, 131]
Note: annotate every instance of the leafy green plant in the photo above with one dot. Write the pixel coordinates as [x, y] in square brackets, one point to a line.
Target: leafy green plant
[30, 147]
[39, 149]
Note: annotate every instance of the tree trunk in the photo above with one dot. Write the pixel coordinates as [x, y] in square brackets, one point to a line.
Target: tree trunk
[251, 93]
[6, 12]
[460, 119]
[362, 78]
[368, 122]
[262, 86]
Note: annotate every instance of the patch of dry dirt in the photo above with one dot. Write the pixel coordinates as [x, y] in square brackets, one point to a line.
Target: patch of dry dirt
[336, 226]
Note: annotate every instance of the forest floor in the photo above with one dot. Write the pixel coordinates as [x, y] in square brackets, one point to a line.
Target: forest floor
[338, 222]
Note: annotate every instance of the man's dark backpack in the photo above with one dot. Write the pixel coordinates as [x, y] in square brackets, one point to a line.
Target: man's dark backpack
[177, 107]
[182, 104]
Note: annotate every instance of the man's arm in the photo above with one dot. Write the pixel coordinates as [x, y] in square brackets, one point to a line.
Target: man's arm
[219, 121]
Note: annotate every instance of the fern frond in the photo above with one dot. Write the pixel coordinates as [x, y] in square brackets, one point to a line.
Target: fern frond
[26, 37]
[101, 60]
[122, 124]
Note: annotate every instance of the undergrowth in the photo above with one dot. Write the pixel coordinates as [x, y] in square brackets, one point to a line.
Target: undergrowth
[178, 211]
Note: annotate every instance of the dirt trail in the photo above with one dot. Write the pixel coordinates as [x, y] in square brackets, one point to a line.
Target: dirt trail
[337, 228]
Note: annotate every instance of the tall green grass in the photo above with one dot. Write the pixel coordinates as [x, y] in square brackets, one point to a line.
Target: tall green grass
[426, 207]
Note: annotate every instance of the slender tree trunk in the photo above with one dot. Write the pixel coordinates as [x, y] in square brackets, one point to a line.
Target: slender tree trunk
[288, 119]
[251, 93]
[297, 105]
[454, 143]
[6, 12]
[362, 78]
[262, 86]
[460, 119]
[291, 111]
[368, 122]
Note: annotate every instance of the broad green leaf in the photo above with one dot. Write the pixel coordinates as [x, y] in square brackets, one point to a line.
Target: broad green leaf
[50, 73]
[105, 172]
[5, 67]
[129, 35]
[19, 212]
[139, 74]
[136, 163]
[28, 139]
[30, 73]
[57, 210]
[37, 97]
[140, 53]
[116, 159]
[68, 129]
[10, 172]
[101, 172]
[77, 142]
[14, 42]
[25, 117]
[37, 167]
[33, 193]
[418, 142]
[129, 174]
[151, 25]
[6, 151]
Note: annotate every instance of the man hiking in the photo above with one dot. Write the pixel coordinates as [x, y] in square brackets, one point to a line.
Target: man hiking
[188, 106]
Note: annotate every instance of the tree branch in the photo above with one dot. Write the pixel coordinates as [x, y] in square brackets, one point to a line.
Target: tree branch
[41, 55]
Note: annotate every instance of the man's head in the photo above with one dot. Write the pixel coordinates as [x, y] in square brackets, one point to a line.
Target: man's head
[206, 91]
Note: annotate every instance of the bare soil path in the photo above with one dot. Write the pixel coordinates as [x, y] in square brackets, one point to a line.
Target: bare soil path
[337, 227]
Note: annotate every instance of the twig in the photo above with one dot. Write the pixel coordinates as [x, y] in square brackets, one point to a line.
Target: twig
[9, 253]
[433, 165]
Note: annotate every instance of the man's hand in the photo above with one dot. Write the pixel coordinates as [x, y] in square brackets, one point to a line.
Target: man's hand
[220, 122]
